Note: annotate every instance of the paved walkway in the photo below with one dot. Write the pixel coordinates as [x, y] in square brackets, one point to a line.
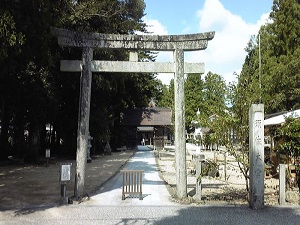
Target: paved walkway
[154, 188]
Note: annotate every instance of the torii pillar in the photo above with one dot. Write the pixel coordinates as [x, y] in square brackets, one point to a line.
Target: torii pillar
[180, 138]
[176, 43]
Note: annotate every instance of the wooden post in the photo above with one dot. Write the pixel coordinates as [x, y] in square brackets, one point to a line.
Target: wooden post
[83, 121]
[282, 168]
[180, 148]
[225, 165]
[198, 195]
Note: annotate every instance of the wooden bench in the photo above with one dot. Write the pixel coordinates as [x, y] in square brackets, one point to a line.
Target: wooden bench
[132, 183]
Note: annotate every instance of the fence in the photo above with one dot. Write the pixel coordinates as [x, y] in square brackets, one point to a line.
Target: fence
[132, 183]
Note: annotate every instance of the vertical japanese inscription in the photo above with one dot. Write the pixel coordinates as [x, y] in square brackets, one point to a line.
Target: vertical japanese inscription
[257, 126]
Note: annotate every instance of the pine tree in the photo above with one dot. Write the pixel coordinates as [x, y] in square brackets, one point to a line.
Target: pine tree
[282, 54]
[193, 97]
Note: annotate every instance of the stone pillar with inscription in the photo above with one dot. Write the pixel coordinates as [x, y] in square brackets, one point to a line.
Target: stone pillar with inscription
[256, 155]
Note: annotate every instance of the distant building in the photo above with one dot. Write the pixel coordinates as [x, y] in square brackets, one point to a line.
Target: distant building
[273, 154]
[153, 124]
[274, 121]
[279, 118]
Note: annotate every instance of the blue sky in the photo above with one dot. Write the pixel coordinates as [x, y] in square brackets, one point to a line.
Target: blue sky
[234, 21]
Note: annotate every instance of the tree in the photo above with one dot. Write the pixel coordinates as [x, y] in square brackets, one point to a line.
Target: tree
[193, 98]
[279, 77]
[124, 90]
[37, 93]
[290, 133]
[167, 96]
[282, 53]
[107, 16]
[26, 70]
[279, 54]
[289, 136]
[9, 36]
[214, 95]
[239, 146]
[284, 29]
[242, 94]
[215, 109]
[10, 40]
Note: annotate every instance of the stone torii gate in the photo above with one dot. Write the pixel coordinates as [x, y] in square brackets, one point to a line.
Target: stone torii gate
[176, 43]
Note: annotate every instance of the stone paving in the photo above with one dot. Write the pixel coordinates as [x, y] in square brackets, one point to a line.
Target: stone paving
[154, 188]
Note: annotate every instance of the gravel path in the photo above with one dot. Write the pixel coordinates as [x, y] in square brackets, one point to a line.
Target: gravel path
[218, 191]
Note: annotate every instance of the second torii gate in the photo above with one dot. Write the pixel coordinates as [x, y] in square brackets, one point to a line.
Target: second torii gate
[176, 43]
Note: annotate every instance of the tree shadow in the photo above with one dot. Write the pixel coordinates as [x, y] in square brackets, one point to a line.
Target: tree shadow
[25, 189]
[232, 215]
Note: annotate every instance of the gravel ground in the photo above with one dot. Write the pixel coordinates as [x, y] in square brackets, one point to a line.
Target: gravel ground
[24, 185]
[218, 191]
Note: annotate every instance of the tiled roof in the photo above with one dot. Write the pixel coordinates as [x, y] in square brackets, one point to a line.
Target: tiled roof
[147, 117]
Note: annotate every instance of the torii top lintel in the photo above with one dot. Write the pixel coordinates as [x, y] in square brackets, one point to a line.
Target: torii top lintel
[189, 42]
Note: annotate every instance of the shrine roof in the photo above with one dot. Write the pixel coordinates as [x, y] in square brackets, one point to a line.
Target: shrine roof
[147, 117]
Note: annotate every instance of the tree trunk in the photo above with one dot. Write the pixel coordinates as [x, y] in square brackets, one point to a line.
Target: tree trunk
[4, 130]
[52, 137]
[34, 135]
[19, 139]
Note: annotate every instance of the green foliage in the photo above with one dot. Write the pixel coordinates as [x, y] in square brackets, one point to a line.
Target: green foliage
[284, 31]
[209, 96]
[36, 93]
[9, 37]
[215, 111]
[111, 16]
[280, 66]
[193, 98]
[289, 132]
[167, 96]
[281, 53]
[278, 77]
[123, 90]
[214, 95]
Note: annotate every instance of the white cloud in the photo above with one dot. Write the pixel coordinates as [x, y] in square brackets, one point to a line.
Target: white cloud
[225, 53]
[156, 28]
